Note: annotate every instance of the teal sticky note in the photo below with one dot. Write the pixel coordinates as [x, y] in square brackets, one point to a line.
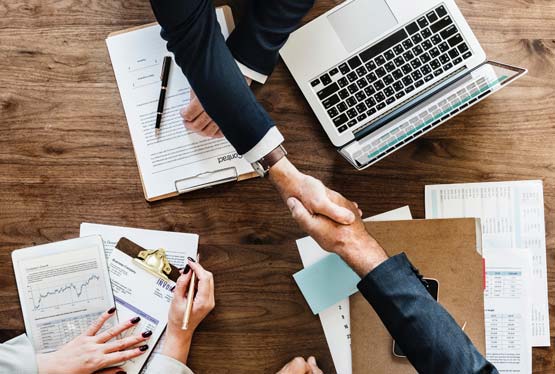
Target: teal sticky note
[326, 282]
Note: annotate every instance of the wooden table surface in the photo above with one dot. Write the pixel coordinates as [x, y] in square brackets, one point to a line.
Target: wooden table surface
[66, 157]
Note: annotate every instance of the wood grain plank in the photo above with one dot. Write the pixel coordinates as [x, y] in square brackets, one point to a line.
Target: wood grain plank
[66, 157]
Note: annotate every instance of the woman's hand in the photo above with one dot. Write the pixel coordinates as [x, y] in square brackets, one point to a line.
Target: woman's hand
[90, 353]
[178, 341]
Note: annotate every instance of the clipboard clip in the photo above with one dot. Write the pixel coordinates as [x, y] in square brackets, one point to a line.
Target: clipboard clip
[155, 262]
[206, 179]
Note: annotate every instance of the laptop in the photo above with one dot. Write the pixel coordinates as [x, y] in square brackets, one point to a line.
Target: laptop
[380, 73]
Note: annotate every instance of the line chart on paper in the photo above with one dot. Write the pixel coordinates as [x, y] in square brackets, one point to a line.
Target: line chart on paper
[69, 292]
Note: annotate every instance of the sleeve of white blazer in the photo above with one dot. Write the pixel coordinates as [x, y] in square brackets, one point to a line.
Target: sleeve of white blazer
[164, 364]
[17, 356]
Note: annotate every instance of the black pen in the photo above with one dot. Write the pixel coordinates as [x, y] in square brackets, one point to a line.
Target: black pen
[164, 77]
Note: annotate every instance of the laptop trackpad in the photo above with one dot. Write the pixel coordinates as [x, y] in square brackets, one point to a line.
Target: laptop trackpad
[361, 21]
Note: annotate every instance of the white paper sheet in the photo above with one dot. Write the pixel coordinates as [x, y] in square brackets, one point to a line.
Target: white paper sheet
[177, 153]
[512, 216]
[336, 319]
[178, 247]
[63, 288]
[506, 305]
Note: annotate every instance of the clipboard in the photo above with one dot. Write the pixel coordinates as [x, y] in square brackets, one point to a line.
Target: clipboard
[208, 178]
[153, 261]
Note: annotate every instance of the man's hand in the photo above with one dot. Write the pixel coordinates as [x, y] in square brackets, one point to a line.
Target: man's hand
[317, 198]
[351, 242]
[298, 365]
[197, 120]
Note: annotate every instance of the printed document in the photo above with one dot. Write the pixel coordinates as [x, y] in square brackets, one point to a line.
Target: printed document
[506, 304]
[178, 247]
[176, 154]
[336, 319]
[138, 293]
[512, 216]
[63, 288]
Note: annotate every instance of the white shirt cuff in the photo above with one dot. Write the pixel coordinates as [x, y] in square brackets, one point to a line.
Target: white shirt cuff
[268, 143]
[249, 73]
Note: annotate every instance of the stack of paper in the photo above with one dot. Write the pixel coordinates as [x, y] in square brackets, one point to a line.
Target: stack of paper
[134, 294]
[513, 230]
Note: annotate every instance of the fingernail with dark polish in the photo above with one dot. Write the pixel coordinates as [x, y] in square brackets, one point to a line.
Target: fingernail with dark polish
[143, 348]
[190, 259]
[146, 334]
[173, 288]
[135, 320]
[186, 269]
[112, 310]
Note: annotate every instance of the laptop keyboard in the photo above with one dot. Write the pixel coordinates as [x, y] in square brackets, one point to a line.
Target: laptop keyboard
[378, 77]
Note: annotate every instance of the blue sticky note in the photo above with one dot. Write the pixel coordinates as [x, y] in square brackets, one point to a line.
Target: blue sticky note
[326, 282]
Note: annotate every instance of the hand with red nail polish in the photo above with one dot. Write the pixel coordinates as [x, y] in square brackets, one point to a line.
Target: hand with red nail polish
[94, 352]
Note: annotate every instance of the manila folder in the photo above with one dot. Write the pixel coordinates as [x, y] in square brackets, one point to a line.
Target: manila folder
[444, 249]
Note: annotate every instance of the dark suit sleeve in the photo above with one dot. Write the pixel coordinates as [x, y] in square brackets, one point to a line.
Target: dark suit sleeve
[424, 330]
[193, 34]
[258, 37]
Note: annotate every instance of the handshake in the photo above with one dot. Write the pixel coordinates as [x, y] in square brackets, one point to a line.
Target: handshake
[332, 220]
[328, 217]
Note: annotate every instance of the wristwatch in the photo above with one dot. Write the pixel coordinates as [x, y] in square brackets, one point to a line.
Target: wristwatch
[263, 165]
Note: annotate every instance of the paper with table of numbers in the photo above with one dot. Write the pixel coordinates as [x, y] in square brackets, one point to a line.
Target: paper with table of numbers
[506, 309]
[512, 216]
[336, 319]
[177, 160]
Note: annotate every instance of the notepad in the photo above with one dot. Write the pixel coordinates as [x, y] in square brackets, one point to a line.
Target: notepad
[176, 160]
[326, 282]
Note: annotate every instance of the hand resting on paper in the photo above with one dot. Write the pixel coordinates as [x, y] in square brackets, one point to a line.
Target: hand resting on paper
[92, 352]
[197, 120]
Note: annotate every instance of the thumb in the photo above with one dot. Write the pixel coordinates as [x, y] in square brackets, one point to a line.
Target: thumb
[314, 369]
[300, 213]
[181, 287]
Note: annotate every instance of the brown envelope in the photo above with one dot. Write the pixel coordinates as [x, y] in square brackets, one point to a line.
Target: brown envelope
[444, 249]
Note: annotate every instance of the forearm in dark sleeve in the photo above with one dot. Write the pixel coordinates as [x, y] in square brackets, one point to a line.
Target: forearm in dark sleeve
[424, 330]
[193, 34]
[262, 32]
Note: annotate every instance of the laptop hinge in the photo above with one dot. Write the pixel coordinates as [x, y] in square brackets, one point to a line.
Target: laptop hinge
[411, 104]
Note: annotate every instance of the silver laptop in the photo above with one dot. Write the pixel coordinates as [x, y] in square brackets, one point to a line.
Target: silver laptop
[380, 73]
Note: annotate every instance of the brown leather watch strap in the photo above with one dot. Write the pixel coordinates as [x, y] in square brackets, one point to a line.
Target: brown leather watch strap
[272, 158]
[132, 249]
